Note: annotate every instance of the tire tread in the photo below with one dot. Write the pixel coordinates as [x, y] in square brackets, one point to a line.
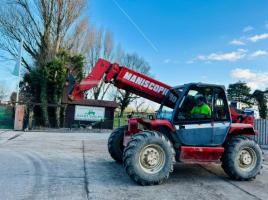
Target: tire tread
[129, 151]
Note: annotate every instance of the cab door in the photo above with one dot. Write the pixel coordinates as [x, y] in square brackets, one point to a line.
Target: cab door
[191, 130]
[195, 134]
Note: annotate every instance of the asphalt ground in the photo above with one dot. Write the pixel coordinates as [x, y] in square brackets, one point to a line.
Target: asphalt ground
[41, 165]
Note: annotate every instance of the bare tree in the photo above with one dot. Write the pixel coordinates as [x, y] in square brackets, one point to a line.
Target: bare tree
[141, 106]
[3, 93]
[93, 43]
[81, 40]
[124, 98]
[43, 24]
[137, 63]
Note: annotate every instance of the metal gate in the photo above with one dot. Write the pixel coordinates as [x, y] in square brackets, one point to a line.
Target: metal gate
[261, 125]
[6, 116]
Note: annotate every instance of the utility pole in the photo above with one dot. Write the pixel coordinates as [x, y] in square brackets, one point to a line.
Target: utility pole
[19, 66]
[19, 109]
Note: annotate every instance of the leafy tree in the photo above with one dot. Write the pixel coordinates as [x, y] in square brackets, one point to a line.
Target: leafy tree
[12, 98]
[261, 99]
[50, 79]
[239, 92]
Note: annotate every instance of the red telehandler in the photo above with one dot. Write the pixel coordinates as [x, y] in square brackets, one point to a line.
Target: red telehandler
[148, 149]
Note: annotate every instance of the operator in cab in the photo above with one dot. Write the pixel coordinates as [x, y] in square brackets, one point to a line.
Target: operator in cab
[202, 109]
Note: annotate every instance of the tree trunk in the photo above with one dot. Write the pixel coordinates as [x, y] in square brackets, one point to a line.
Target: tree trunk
[121, 112]
[44, 108]
[31, 114]
[57, 113]
[57, 101]
[96, 91]
[124, 101]
[64, 115]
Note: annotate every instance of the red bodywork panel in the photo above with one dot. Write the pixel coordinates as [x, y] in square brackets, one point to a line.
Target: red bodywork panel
[190, 154]
[240, 118]
[241, 129]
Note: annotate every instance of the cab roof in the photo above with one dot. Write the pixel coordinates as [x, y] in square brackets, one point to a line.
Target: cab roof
[200, 85]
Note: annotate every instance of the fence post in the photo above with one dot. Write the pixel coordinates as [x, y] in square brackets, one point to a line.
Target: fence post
[118, 122]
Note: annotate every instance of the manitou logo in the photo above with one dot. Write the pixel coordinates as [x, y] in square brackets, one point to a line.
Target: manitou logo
[145, 83]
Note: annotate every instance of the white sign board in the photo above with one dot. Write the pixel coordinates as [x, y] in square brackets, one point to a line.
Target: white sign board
[89, 113]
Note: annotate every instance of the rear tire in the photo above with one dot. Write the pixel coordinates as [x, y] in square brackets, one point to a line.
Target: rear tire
[242, 159]
[149, 158]
[115, 144]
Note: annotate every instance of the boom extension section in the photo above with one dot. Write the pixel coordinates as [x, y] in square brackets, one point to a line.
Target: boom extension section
[123, 78]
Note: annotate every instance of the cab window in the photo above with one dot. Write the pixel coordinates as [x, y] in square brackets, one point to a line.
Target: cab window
[197, 105]
[221, 112]
[166, 109]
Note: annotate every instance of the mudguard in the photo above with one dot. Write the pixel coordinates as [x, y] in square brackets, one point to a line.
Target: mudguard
[241, 129]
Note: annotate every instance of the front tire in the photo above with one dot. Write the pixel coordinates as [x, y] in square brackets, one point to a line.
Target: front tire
[242, 159]
[115, 144]
[149, 158]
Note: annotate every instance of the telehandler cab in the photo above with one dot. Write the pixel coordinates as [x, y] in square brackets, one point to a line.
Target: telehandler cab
[148, 149]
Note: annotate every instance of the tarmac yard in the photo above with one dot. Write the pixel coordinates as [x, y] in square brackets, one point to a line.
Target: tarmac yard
[38, 165]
